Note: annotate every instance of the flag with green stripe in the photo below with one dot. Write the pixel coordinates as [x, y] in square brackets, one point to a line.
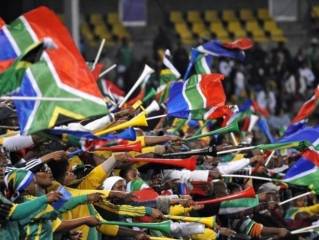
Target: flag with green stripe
[192, 98]
[61, 73]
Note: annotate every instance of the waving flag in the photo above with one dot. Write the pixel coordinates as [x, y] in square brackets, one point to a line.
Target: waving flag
[11, 78]
[264, 127]
[62, 73]
[308, 107]
[202, 56]
[306, 134]
[192, 98]
[237, 205]
[305, 171]
[200, 63]
[2, 23]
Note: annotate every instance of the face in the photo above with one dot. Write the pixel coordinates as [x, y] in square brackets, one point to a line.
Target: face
[131, 174]
[44, 176]
[300, 202]
[32, 188]
[69, 177]
[119, 186]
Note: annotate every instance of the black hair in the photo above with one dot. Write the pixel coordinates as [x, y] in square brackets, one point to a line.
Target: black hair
[58, 169]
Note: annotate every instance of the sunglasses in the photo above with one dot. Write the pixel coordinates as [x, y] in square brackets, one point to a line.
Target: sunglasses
[44, 168]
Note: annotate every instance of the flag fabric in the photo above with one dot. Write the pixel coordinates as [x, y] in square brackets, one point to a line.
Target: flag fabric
[192, 98]
[11, 78]
[202, 56]
[293, 144]
[200, 63]
[167, 75]
[2, 22]
[306, 134]
[305, 171]
[4, 65]
[240, 44]
[264, 127]
[62, 73]
[307, 108]
[224, 112]
[237, 205]
[253, 106]
[294, 127]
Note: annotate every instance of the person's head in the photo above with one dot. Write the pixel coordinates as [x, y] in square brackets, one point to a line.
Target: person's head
[44, 176]
[114, 183]
[301, 202]
[268, 192]
[129, 173]
[18, 182]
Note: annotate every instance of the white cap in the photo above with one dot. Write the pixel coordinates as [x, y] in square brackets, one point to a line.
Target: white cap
[110, 182]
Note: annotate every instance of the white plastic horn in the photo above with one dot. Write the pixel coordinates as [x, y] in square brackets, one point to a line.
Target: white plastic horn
[146, 72]
[253, 121]
[153, 107]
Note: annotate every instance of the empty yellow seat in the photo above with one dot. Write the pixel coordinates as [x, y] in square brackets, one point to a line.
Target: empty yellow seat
[246, 14]
[260, 39]
[229, 15]
[252, 26]
[235, 28]
[176, 17]
[263, 14]
[193, 16]
[200, 29]
[218, 29]
[182, 30]
[113, 18]
[96, 18]
[315, 11]
[119, 30]
[272, 27]
[102, 32]
[279, 38]
[211, 15]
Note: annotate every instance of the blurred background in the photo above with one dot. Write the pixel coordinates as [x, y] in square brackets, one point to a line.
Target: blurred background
[281, 70]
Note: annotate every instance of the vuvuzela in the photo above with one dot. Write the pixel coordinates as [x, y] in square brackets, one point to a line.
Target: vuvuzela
[146, 72]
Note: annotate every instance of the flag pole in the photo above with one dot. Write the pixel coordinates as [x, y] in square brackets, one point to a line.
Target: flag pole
[269, 157]
[155, 117]
[252, 177]
[50, 99]
[305, 229]
[236, 150]
[98, 55]
[294, 198]
[102, 74]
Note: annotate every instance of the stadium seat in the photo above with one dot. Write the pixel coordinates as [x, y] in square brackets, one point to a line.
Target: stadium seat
[102, 32]
[256, 31]
[119, 30]
[279, 38]
[315, 11]
[96, 18]
[246, 14]
[193, 17]
[211, 15]
[200, 29]
[113, 18]
[263, 14]
[218, 29]
[272, 27]
[236, 29]
[253, 26]
[87, 34]
[184, 33]
[229, 15]
[176, 17]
